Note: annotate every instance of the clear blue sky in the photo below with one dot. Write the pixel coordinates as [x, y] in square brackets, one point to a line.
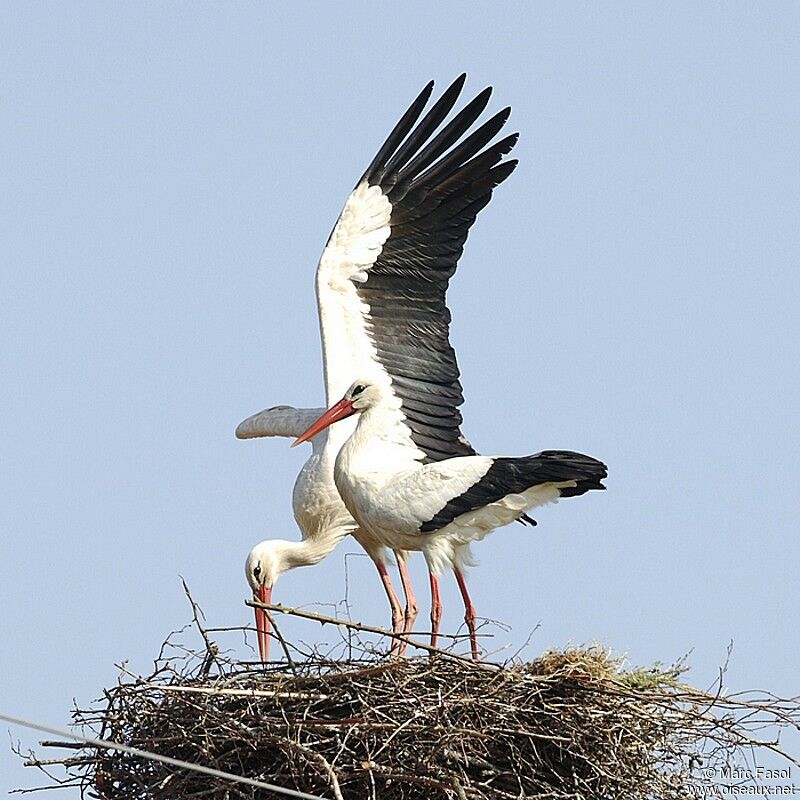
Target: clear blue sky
[170, 174]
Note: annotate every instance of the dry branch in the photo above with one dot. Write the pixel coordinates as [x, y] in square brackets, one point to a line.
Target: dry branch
[323, 619]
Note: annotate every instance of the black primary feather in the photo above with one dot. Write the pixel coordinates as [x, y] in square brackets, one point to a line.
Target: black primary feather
[438, 177]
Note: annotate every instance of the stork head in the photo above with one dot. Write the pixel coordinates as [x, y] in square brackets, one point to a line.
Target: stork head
[265, 564]
[361, 395]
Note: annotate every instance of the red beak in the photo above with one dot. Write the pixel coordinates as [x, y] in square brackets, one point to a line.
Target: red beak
[342, 409]
[263, 595]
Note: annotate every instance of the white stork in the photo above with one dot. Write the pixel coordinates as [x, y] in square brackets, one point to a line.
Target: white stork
[323, 521]
[407, 475]
[442, 507]
[380, 295]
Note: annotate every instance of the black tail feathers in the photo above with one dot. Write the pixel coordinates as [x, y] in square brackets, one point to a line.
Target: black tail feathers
[516, 475]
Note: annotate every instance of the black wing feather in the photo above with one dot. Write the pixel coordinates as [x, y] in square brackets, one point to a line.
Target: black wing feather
[437, 178]
[429, 123]
[450, 134]
[516, 475]
[399, 132]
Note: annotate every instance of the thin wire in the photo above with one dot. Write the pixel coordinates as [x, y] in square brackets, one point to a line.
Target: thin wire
[174, 762]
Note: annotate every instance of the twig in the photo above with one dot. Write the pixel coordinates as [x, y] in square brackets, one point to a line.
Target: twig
[214, 690]
[313, 756]
[212, 650]
[284, 646]
[326, 620]
[68, 745]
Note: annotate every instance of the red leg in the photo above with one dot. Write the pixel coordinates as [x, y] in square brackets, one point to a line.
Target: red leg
[469, 612]
[394, 602]
[411, 601]
[436, 609]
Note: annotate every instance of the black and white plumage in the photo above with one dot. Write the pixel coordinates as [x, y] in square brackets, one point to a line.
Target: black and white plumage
[440, 507]
[514, 476]
[386, 267]
[381, 286]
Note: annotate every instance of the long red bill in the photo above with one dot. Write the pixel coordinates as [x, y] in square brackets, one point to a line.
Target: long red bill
[263, 595]
[341, 410]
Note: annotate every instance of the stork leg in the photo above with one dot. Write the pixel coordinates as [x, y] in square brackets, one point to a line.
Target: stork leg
[469, 612]
[436, 609]
[397, 609]
[411, 601]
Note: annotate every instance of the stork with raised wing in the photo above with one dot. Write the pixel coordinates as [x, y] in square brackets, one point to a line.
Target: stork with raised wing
[406, 474]
[380, 296]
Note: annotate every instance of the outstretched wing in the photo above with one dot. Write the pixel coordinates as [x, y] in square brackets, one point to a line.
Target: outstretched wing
[284, 421]
[383, 276]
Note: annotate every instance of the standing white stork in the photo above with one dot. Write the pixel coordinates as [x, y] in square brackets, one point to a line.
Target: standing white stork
[380, 295]
[439, 508]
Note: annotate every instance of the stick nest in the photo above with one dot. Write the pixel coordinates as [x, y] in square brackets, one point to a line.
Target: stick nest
[571, 724]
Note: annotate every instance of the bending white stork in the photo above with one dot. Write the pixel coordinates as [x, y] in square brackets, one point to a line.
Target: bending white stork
[323, 521]
[439, 508]
[380, 295]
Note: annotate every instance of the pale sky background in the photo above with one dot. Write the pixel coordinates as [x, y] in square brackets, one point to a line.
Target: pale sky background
[170, 174]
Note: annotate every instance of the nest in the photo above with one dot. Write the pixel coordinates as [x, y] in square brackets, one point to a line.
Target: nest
[570, 724]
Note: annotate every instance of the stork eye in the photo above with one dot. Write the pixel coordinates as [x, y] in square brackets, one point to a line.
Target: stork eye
[257, 571]
[358, 389]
